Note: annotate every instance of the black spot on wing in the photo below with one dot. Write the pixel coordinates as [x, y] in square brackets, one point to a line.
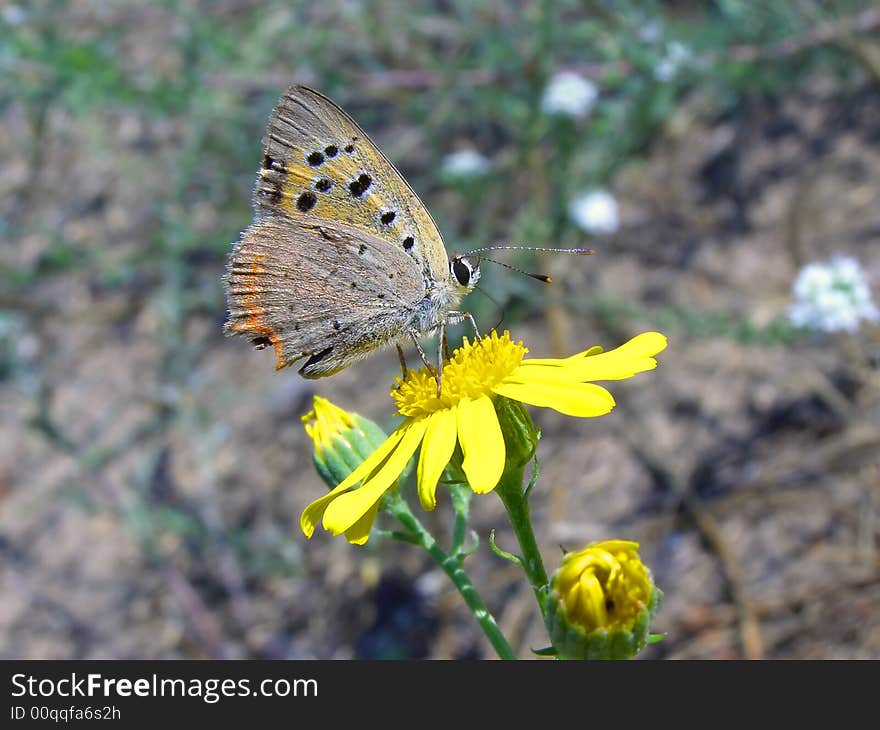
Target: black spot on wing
[359, 185]
[315, 159]
[306, 201]
[316, 358]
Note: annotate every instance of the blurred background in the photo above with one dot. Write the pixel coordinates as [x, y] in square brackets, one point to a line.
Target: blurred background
[722, 158]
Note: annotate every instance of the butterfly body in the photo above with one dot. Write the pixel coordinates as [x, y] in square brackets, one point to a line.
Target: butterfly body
[342, 257]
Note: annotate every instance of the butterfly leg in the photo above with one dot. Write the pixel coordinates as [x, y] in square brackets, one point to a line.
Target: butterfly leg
[402, 360]
[442, 350]
[461, 316]
[444, 342]
[415, 339]
[438, 373]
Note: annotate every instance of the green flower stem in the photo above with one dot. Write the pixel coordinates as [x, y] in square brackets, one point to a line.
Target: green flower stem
[461, 502]
[398, 507]
[510, 489]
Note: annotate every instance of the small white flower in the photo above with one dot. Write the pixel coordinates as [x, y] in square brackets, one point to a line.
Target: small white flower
[465, 163]
[595, 212]
[832, 296]
[569, 94]
[677, 56]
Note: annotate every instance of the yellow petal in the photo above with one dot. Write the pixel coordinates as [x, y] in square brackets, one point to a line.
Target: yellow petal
[347, 509]
[623, 362]
[358, 533]
[437, 448]
[562, 371]
[573, 399]
[482, 443]
[555, 361]
[312, 514]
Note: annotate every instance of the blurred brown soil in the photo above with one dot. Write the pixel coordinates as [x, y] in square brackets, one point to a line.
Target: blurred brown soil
[146, 513]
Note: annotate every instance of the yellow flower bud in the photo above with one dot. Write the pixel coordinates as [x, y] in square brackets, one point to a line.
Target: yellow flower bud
[601, 602]
[342, 440]
[325, 421]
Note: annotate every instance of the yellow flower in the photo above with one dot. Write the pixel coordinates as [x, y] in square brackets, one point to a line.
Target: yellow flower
[464, 413]
[601, 601]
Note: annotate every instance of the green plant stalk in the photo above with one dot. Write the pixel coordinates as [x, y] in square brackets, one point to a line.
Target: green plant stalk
[399, 509]
[510, 489]
[461, 499]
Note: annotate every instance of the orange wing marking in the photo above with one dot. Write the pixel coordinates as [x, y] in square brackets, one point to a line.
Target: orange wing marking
[250, 302]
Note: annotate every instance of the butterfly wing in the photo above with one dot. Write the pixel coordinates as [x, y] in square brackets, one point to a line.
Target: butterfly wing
[329, 293]
[319, 164]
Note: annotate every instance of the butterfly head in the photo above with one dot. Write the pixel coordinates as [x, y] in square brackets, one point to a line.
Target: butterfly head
[464, 272]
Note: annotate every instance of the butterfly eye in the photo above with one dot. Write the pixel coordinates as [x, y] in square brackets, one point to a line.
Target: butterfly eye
[461, 270]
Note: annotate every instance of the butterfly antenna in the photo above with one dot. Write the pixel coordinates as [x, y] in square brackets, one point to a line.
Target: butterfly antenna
[540, 277]
[504, 247]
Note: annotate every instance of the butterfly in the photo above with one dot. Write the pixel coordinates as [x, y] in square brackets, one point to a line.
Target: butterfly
[342, 258]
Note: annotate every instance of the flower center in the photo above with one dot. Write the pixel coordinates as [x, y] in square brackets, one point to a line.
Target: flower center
[474, 370]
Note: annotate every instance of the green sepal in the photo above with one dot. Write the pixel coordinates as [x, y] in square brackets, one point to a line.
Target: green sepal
[347, 450]
[573, 642]
[520, 434]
